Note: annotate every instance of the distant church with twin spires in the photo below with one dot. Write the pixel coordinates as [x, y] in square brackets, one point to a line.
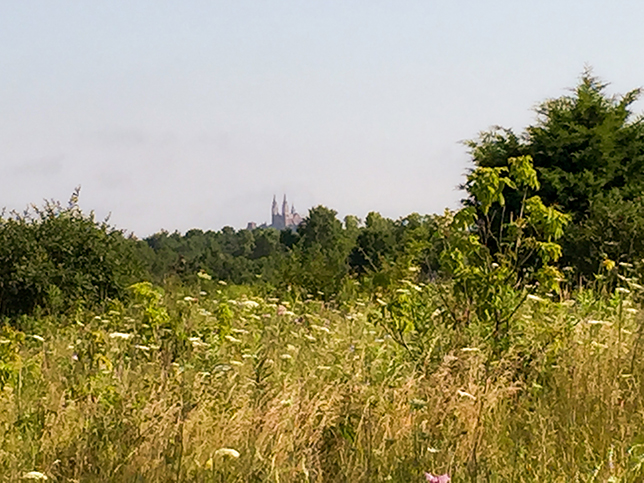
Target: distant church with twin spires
[288, 218]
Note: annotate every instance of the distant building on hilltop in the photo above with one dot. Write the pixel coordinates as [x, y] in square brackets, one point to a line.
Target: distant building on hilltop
[286, 219]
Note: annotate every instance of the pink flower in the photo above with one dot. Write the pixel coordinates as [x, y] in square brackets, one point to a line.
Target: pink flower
[437, 478]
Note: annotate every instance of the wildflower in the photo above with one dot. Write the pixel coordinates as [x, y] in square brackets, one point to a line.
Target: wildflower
[197, 342]
[34, 475]
[535, 298]
[465, 394]
[227, 452]
[437, 478]
[281, 310]
[120, 335]
[600, 322]
[608, 264]
[417, 404]
[222, 368]
[202, 274]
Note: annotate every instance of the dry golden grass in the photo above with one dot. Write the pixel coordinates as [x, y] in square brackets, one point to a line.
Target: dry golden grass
[304, 392]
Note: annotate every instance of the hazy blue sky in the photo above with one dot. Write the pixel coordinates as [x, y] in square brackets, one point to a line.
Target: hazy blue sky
[181, 114]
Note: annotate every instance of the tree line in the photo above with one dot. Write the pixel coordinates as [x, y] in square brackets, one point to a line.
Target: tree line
[577, 170]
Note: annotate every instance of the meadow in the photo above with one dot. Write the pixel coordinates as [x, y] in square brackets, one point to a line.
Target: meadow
[218, 383]
[501, 342]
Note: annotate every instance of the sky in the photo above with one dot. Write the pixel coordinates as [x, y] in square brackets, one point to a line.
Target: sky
[192, 114]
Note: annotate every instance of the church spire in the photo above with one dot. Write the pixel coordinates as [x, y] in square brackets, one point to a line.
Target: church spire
[275, 209]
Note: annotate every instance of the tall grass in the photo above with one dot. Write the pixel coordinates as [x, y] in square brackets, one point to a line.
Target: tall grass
[165, 388]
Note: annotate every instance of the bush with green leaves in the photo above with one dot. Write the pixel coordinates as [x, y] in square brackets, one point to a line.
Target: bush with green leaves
[481, 289]
[56, 257]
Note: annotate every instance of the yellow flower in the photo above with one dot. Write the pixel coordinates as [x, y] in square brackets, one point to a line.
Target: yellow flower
[608, 264]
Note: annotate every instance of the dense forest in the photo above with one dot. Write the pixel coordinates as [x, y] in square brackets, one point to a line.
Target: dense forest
[498, 342]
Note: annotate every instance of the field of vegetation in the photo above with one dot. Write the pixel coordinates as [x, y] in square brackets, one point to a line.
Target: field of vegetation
[498, 343]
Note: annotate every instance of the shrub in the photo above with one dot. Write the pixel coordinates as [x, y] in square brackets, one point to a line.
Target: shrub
[55, 257]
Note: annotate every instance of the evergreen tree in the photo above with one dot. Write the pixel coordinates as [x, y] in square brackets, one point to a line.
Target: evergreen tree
[588, 150]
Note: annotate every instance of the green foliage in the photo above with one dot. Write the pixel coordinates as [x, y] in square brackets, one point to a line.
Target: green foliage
[492, 285]
[588, 152]
[56, 257]
[301, 391]
[375, 245]
[242, 256]
[317, 262]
